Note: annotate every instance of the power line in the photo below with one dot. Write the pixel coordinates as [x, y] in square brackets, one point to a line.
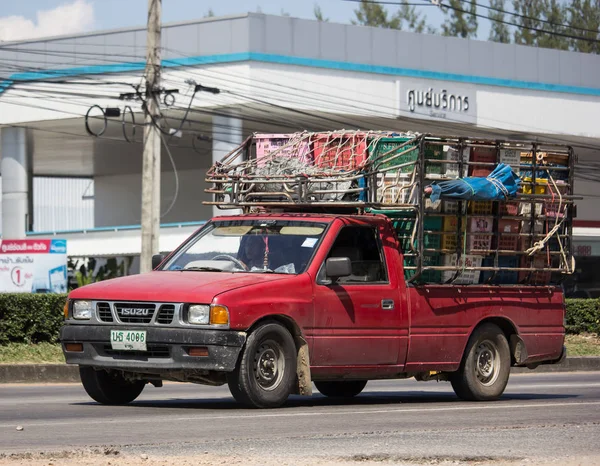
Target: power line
[287, 108]
[539, 20]
[327, 98]
[520, 26]
[300, 102]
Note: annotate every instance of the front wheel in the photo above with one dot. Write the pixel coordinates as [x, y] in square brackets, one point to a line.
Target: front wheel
[265, 374]
[108, 388]
[484, 370]
[341, 389]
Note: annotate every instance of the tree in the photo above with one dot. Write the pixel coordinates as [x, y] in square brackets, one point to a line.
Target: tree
[543, 15]
[462, 21]
[585, 15]
[210, 13]
[533, 10]
[413, 19]
[374, 14]
[499, 32]
[319, 14]
[554, 13]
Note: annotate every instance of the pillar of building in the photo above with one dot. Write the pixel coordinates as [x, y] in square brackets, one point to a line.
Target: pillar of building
[226, 136]
[15, 169]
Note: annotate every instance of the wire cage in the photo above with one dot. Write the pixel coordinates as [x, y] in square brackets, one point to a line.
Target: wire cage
[526, 239]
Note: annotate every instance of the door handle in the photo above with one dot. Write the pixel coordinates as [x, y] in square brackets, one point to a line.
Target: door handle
[387, 304]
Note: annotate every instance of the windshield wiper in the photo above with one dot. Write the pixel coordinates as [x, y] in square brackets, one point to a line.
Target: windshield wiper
[203, 269]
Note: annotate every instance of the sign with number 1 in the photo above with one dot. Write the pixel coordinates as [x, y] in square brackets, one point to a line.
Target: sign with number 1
[33, 266]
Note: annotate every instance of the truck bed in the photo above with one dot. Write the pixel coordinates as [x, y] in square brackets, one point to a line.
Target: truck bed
[447, 314]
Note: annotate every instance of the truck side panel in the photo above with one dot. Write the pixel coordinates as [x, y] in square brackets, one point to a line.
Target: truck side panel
[443, 317]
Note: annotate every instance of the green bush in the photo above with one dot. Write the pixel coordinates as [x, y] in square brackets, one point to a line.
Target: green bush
[583, 315]
[31, 318]
[37, 318]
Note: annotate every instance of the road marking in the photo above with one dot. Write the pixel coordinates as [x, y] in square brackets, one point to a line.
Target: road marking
[162, 418]
[446, 387]
[555, 385]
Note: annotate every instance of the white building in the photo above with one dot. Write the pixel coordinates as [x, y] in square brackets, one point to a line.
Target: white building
[276, 74]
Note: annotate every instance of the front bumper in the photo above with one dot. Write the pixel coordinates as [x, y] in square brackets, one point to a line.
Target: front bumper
[167, 349]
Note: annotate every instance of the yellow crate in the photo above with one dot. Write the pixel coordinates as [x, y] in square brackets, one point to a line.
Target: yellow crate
[541, 185]
[450, 223]
[481, 207]
[449, 242]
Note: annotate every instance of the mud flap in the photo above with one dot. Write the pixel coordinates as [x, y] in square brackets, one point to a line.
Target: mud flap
[518, 349]
[303, 368]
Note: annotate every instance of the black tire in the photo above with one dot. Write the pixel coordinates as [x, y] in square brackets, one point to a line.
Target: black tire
[109, 389]
[272, 347]
[485, 367]
[342, 388]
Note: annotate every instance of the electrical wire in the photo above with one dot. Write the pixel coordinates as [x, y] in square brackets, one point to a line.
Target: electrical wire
[321, 97]
[539, 20]
[125, 109]
[265, 121]
[128, 83]
[508, 23]
[238, 93]
[176, 194]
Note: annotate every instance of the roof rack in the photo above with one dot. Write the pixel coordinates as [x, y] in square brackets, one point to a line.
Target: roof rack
[526, 237]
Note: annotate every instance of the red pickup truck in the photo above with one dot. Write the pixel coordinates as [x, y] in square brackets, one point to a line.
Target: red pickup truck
[269, 303]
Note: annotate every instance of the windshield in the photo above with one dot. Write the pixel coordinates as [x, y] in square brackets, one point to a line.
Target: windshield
[257, 246]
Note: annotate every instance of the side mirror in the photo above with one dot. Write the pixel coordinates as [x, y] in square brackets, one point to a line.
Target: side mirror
[156, 260]
[336, 267]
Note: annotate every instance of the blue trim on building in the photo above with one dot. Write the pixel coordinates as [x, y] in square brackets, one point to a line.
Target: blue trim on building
[299, 61]
[115, 228]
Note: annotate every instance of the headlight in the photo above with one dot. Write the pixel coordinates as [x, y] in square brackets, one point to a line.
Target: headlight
[198, 314]
[82, 310]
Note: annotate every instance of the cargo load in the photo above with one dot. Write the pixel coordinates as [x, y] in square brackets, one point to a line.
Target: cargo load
[465, 210]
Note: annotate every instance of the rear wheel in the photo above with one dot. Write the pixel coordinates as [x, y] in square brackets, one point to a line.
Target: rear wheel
[341, 389]
[485, 368]
[265, 374]
[108, 388]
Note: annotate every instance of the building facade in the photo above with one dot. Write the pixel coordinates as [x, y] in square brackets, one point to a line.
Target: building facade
[275, 74]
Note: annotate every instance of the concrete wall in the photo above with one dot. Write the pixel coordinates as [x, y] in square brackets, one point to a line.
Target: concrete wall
[59, 204]
[118, 198]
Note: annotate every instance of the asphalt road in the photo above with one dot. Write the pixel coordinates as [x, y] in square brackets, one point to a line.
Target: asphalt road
[541, 415]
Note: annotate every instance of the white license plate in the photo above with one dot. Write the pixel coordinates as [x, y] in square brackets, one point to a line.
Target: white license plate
[132, 340]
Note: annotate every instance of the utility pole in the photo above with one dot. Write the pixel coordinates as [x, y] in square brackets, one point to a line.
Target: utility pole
[152, 140]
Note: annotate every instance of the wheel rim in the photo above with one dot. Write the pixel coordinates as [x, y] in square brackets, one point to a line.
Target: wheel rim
[487, 363]
[269, 365]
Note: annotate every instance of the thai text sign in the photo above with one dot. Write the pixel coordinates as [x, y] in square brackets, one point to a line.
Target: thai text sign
[437, 99]
[38, 266]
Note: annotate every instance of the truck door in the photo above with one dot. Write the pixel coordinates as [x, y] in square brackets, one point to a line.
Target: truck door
[359, 320]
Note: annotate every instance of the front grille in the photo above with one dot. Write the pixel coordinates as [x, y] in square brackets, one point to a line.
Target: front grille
[135, 313]
[104, 313]
[153, 351]
[166, 314]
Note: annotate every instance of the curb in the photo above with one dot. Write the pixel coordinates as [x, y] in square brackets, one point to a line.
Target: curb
[63, 373]
[38, 373]
[572, 364]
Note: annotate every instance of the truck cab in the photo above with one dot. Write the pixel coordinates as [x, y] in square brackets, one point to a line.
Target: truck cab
[270, 303]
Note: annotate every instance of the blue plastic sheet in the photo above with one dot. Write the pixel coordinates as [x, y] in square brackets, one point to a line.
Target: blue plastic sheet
[499, 185]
